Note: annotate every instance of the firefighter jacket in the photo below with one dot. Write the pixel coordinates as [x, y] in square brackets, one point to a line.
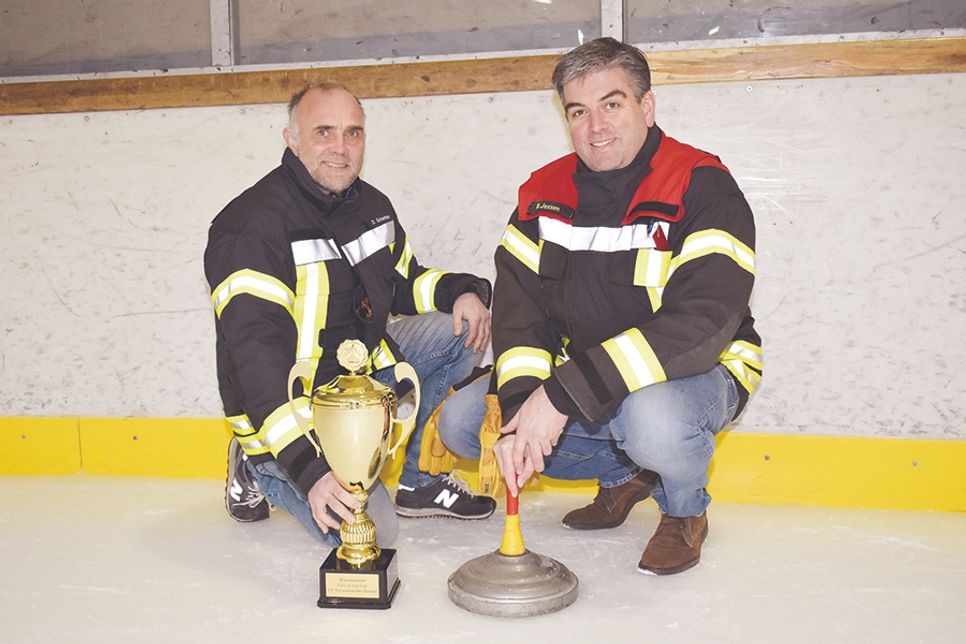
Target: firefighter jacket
[608, 282]
[293, 272]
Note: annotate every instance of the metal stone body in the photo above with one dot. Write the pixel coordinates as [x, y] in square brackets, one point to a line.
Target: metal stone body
[512, 585]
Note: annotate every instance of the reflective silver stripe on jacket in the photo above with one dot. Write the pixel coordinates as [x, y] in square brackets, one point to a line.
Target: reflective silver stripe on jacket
[370, 242]
[308, 251]
[599, 238]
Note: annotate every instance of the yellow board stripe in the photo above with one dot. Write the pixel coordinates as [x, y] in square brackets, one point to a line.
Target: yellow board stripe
[424, 290]
[254, 283]
[521, 247]
[842, 471]
[634, 359]
[519, 362]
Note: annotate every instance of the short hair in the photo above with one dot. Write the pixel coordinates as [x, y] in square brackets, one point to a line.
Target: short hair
[325, 86]
[601, 53]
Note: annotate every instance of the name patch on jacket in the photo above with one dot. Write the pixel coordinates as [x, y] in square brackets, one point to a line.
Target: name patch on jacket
[550, 209]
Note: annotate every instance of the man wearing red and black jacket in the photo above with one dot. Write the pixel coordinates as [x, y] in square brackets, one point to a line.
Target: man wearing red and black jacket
[310, 256]
[622, 330]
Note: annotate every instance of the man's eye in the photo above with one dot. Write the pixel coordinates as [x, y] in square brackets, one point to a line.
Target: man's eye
[613, 106]
[577, 114]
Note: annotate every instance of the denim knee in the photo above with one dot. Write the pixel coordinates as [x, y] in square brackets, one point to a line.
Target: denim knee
[672, 425]
[461, 417]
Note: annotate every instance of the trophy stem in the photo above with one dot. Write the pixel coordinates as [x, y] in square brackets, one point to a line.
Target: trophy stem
[359, 537]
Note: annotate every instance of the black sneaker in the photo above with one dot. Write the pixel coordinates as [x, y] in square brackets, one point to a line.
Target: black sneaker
[444, 497]
[245, 502]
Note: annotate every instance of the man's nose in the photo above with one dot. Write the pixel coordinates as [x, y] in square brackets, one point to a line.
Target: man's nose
[339, 143]
[597, 122]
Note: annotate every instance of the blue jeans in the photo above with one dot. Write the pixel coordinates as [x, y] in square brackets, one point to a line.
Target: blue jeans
[282, 494]
[668, 428]
[440, 361]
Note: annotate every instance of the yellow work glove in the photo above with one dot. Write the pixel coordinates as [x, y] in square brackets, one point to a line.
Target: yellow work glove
[491, 481]
[434, 456]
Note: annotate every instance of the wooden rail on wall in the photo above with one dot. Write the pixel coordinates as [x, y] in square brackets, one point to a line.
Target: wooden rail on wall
[820, 60]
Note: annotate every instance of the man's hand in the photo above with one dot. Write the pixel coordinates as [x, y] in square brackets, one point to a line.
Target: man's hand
[503, 451]
[538, 425]
[469, 307]
[327, 493]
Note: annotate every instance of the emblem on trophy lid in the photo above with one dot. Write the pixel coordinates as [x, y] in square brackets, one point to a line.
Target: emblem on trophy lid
[352, 355]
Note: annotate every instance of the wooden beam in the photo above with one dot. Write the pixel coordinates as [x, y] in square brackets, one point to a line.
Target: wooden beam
[774, 62]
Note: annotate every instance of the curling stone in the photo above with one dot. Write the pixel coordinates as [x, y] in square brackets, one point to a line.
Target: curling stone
[512, 581]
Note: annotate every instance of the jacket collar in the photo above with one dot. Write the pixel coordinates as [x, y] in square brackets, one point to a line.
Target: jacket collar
[610, 186]
[325, 200]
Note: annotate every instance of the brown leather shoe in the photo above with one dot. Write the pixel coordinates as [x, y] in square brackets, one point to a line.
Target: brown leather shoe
[612, 504]
[675, 546]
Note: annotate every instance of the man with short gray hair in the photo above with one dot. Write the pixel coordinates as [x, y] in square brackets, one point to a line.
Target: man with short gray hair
[308, 257]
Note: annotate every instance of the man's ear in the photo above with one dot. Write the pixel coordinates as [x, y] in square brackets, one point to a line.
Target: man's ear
[291, 141]
[647, 102]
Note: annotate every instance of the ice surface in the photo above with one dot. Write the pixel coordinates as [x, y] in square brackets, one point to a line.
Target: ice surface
[105, 559]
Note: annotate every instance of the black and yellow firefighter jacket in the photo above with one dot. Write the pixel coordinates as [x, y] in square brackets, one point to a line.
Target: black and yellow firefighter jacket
[608, 282]
[293, 272]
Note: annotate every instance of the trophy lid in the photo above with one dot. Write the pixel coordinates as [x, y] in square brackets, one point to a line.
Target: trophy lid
[353, 389]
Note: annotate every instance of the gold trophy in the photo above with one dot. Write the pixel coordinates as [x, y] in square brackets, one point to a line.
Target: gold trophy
[358, 432]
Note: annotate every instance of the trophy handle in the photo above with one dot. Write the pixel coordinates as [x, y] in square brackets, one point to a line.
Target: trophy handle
[302, 369]
[404, 426]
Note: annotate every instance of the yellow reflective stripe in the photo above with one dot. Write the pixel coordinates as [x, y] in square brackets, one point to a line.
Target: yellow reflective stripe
[252, 445]
[634, 359]
[246, 435]
[382, 356]
[748, 377]
[710, 241]
[747, 352]
[251, 282]
[744, 360]
[240, 425]
[402, 266]
[563, 356]
[281, 429]
[522, 361]
[311, 308]
[654, 294]
[651, 267]
[424, 290]
[522, 247]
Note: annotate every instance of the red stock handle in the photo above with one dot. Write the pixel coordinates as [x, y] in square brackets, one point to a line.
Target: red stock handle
[512, 504]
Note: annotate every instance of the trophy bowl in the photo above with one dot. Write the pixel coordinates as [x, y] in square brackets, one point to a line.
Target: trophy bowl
[354, 421]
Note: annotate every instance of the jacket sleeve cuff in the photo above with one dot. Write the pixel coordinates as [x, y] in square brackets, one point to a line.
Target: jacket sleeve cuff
[303, 468]
[481, 287]
[559, 398]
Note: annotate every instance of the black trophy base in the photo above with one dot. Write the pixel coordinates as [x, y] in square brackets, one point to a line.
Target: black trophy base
[371, 585]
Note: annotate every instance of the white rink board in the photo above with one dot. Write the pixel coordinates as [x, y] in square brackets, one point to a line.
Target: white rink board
[856, 183]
